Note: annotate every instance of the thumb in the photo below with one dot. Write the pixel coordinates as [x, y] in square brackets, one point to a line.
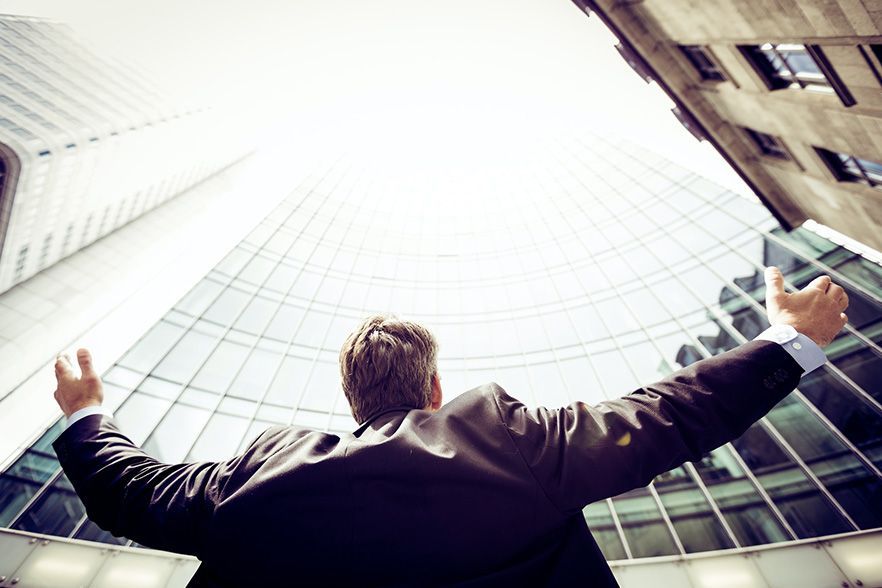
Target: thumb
[774, 287]
[84, 358]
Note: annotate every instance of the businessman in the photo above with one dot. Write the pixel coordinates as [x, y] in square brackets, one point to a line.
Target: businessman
[479, 492]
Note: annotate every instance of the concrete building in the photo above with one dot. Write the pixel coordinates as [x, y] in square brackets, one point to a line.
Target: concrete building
[87, 145]
[589, 268]
[790, 93]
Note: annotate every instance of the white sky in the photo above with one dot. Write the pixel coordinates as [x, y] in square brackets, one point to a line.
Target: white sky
[392, 72]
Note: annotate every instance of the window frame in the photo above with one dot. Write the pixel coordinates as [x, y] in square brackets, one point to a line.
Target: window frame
[837, 166]
[693, 54]
[758, 57]
[774, 148]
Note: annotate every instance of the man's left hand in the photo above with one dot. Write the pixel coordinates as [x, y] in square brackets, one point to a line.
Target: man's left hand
[74, 393]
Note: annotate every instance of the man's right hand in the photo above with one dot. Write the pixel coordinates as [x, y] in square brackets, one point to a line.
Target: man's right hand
[816, 311]
[74, 393]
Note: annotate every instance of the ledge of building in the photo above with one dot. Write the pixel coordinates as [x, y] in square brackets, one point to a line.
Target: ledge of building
[849, 560]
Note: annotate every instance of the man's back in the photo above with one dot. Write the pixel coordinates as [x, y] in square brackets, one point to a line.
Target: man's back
[412, 497]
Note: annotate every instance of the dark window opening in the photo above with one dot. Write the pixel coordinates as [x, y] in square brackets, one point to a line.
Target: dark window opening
[877, 51]
[792, 65]
[700, 59]
[767, 144]
[848, 168]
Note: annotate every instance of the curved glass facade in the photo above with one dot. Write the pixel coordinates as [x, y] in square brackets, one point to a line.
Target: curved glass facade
[589, 270]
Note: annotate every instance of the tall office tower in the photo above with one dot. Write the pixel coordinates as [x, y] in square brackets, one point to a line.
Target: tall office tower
[86, 145]
[587, 268]
[789, 92]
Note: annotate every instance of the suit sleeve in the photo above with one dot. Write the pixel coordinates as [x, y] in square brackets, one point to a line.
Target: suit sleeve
[581, 453]
[128, 493]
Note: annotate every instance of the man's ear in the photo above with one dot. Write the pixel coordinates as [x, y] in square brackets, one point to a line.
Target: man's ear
[435, 402]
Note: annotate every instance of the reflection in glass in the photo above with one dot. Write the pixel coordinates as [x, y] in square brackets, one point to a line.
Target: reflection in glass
[645, 530]
[603, 529]
[807, 511]
[855, 418]
[55, 512]
[694, 521]
[747, 514]
[847, 479]
[28, 473]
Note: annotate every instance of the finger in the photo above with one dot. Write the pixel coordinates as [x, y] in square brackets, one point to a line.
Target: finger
[774, 283]
[85, 360]
[843, 301]
[820, 283]
[835, 291]
[844, 318]
[63, 367]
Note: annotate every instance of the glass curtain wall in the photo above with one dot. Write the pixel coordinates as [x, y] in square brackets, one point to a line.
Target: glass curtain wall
[593, 268]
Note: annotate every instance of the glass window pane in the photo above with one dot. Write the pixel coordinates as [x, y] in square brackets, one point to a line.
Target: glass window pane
[285, 323]
[290, 381]
[321, 391]
[604, 531]
[152, 346]
[221, 367]
[853, 416]
[22, 480]
[614, 373]
[172, 439]
[220, 439]
[547, 384]
[139, 414]
[748, 515]
[198, 299]
[581, 383]
[805, 508]
[257, 269]
[860, 363]
[225, 310]
[256, 315]
[645, 531]
[694, 521]
[89, 531]
[186, 357]
[857, 489]
[56, 512]
[312, 330]
[257, 373]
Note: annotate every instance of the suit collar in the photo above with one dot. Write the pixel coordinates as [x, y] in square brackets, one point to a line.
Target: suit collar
[363, 427]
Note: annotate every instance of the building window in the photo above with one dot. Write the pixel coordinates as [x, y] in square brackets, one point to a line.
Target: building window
[877, 51]
[848, 168]
[792, 65]
[701, 60]
[767, 144]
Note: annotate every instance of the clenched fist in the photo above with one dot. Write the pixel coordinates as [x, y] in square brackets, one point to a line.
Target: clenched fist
[74, 393]
[816, 311]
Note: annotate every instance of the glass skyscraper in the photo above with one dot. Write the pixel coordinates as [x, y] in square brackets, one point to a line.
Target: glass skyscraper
[88, 145]
[592, 268]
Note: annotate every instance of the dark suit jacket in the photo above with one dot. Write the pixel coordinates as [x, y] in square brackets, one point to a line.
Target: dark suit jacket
[483, 492]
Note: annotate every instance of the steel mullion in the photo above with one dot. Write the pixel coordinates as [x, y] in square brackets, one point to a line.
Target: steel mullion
[757, 486]
[651, 340]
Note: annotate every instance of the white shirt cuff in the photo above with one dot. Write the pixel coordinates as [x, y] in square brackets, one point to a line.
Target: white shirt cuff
[87, 411]
[806, 352]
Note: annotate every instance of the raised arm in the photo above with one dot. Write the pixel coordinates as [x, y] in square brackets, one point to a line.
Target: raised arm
[128, 493]
[125, 491]
[581, 453]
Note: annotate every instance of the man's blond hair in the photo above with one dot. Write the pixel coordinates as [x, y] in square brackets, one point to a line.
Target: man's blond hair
[388, 362]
